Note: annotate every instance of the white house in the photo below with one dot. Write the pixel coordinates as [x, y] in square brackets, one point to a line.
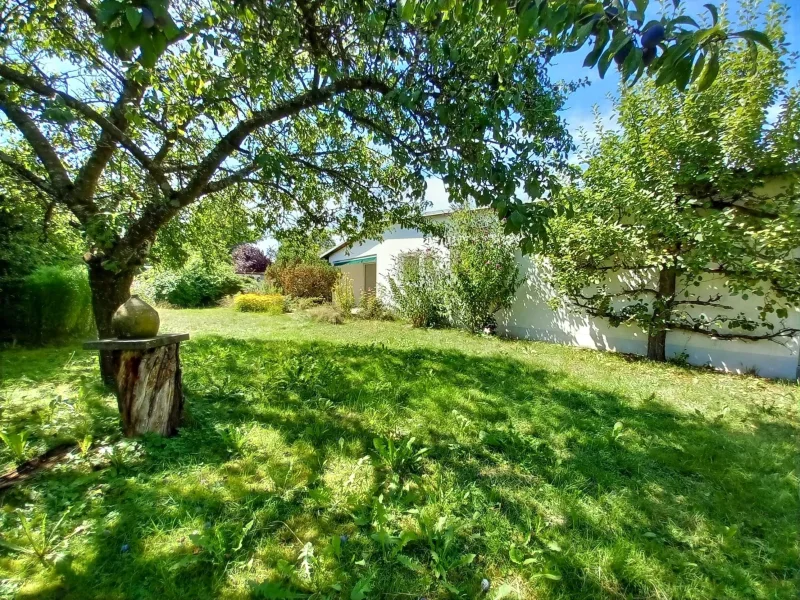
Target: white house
[369, 264]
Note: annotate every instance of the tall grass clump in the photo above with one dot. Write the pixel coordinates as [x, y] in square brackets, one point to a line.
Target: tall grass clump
[57, 304]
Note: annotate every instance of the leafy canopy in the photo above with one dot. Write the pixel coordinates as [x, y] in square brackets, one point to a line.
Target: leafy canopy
[701, 188]
[319, 114]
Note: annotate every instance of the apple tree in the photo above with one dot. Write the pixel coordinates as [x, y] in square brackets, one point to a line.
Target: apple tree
[692, 202]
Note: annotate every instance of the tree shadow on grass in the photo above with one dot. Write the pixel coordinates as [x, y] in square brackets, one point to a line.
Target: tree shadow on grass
[664, 504]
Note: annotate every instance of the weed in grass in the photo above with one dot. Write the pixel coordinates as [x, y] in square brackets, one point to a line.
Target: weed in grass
[235, 437]
[38, 541]
[17, 443]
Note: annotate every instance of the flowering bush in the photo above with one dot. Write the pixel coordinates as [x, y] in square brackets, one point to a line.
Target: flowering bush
[482, 273]
[416, 285]
[273, 304]
[248, 258]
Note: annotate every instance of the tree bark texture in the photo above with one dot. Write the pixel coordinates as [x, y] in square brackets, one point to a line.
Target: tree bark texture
[149, 390]
[662, 308]
[109, 292]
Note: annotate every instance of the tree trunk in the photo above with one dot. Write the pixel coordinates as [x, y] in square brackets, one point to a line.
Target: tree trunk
[662, 309]
[109, 292]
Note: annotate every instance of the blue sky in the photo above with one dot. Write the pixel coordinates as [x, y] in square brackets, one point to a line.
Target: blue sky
[578, 111]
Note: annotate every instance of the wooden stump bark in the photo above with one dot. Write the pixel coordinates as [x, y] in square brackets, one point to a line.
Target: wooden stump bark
[149, 390]
[148, 381]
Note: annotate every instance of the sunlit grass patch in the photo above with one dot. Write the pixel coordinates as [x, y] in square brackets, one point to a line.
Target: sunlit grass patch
[566, 473]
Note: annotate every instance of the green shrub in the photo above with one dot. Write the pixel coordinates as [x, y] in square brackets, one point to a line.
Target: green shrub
[482, 270]
[195, 285]
[326, 313]
[343, 297]
[56, 303]
[416, 285]
[373, 308]
[273, 304]
[304, 280]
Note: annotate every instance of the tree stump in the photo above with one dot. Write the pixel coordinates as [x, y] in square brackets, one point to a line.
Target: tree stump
[148, 382]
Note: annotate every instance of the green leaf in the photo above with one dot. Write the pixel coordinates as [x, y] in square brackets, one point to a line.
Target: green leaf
[504, 591]
[599, 44]
[527, 20]
[148, 56]
[758, 37]
[410, 563]
[683, 71]
[684, 20]
[709, 73]
[605, 62]
[134, 16]
[406, 8]
[362, 587]
[108, 10]
[500, 8]
[698, 66]
[159, 43]
[714, 14]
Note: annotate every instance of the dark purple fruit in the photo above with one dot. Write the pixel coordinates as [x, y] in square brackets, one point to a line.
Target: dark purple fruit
[148, 20]
[622, 53]
[648, 56]
[653, 36]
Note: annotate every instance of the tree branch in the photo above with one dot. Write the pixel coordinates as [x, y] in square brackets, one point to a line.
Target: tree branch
[44, 151]
[230, 142]
[89, 175]
[41, 88]
[156, 214]
[712, 301]
[32, 177]
[786, 332]
[232, 179]
[89, 10]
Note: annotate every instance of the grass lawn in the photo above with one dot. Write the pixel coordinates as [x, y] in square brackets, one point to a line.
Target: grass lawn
[552, 472]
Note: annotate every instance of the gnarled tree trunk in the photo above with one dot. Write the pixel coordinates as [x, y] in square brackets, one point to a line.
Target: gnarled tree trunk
[662, 309]
[109, 292]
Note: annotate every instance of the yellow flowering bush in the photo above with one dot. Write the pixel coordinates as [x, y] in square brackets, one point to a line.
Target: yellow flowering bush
[273, 304]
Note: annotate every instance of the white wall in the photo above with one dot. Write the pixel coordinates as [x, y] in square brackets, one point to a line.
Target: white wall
[395, 241]
[531, 317]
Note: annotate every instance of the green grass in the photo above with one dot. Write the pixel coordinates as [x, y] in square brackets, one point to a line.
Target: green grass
[566, 473]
